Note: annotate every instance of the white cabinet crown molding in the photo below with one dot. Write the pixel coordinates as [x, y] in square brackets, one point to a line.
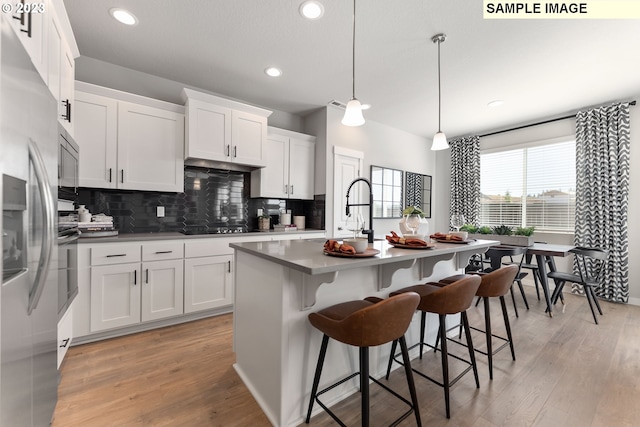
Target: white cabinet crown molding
[128, 97]
[290, 134]
[224, 102]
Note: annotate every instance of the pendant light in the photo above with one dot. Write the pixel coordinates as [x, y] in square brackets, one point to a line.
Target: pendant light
[353, 114]
[439, 139]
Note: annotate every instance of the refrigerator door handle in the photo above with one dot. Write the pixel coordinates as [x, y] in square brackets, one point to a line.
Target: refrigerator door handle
[48, 218]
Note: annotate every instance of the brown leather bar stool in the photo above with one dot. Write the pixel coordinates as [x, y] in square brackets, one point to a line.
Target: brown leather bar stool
[494, 284]
[443, 300]
[366, 323]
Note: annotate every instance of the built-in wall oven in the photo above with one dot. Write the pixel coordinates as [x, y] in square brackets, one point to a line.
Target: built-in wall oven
[68, 158]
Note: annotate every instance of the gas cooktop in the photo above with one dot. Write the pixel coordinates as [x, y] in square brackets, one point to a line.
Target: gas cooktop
[217, 230]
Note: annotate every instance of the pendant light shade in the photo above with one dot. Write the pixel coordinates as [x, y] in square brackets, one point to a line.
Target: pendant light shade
[353, 115]
[439, 139]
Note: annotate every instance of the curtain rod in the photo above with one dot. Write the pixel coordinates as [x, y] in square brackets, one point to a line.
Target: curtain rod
[535, 124]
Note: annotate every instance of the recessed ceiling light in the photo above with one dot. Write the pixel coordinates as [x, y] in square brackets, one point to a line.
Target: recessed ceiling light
[496, 103]
[124, 16]
[312, 9]
[273, 72]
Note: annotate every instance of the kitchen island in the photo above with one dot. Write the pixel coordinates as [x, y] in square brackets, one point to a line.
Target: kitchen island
[277, 284]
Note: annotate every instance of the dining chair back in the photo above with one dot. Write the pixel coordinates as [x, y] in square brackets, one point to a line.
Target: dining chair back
[589, 273]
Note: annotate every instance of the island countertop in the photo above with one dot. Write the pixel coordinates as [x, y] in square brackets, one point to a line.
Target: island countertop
[307, 255]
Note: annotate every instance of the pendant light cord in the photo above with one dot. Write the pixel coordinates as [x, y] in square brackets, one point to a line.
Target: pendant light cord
[439, 89]
[353, 54]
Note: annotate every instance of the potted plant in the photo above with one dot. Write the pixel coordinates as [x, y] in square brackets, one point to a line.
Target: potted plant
[521, 236]
[264, 222]
[423, 228]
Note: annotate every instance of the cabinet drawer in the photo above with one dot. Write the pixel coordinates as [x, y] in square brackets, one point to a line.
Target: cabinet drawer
[157, 251]
[207, 247]
[117, 254]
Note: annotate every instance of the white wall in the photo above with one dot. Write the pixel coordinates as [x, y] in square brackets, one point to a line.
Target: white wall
[382, 146]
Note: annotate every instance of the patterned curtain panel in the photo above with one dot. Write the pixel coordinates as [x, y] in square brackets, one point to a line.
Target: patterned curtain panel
[602, 192]
[465, 178]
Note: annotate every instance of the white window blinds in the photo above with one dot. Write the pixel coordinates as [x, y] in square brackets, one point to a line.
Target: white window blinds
[529, 186]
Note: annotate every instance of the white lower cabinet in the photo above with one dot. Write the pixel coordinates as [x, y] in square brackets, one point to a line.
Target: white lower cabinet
[115, 296]
[135, 286]
[65, 334]
[208, 283]
[132, 292]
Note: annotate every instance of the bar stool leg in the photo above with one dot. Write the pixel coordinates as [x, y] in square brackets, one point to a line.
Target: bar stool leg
[364, 385]
[316, 378]
[423, 319]
[487, 328]
[394, 344]
[507, 326]
[445, 362]
[409, 375]
[472, 355]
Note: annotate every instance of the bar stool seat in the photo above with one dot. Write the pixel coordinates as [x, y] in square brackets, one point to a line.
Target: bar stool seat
[366, 323]
[444, 300]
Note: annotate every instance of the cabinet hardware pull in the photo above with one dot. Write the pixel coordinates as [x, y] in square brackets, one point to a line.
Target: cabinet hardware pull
[20, 18]
[122, 176]
[110, 173]
[229, 267]
[286, 189]
[235, 150]
[28, 30]
[135, 277]
[291, 190]
[147, 280]
[67, 114]
[228, 146]
[114, 255]
[164, 252]
[65, 342]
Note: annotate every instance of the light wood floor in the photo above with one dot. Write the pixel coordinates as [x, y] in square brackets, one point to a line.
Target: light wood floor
[569, 372]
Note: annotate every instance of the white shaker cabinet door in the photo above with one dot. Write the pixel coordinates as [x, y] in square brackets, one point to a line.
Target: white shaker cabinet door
[150, 147]
[208, 131]
[95, 131]
[274, 178]
[115, 296]
[301, 169]
[208, 283]
[248, 133]
[162, 289]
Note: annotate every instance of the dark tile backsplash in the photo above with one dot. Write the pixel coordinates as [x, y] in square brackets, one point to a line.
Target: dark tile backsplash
[213, 200]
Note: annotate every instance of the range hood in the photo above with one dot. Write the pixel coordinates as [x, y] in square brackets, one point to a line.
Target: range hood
[213, 164]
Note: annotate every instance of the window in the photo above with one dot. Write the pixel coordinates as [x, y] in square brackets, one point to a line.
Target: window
[387, 192]
[530, 186]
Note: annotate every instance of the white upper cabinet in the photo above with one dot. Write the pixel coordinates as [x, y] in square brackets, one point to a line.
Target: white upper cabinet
[150, 144]
[289, 170]
[45, 32]
[61, 70]
[128, 145]
[29, 20]
[96, 134]
[222, 130]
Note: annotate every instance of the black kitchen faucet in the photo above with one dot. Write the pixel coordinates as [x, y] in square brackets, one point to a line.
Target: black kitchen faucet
[369, 232]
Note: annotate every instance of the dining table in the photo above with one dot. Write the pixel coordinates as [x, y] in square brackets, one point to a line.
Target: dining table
[545, 254]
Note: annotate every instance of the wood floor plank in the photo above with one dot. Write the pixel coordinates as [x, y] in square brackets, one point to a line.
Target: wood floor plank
[568, 372]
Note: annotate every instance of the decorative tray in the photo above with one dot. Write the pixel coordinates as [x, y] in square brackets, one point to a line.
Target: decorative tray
[400, 245]
[459, 242]
[368, 253]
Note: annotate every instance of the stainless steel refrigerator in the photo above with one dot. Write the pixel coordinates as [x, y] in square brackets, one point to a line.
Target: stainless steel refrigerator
[29, 300]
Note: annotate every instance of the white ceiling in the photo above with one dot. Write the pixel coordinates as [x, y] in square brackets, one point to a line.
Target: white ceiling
[541, 68]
